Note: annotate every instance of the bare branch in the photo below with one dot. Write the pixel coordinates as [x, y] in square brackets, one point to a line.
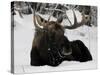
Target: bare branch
[52, 13]
[55, 10]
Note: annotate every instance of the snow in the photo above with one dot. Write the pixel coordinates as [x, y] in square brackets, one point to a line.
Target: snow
[23, 37]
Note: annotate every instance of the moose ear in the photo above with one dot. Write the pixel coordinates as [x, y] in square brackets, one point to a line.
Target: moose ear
[40, 20]
[59, 19]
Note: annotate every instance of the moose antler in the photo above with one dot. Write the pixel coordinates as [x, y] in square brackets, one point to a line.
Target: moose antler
[37, 26]
[76, 24]
[85, 20]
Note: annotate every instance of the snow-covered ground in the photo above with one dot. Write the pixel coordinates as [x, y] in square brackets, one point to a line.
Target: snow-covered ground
[24, 34]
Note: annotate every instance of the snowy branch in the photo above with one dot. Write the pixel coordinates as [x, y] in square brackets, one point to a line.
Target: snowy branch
[55, 10]
[52, 12]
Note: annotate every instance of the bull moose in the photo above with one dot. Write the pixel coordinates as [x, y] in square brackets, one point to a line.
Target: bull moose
[51, 47]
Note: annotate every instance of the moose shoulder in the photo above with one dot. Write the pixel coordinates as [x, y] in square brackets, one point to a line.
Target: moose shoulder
[51, 47]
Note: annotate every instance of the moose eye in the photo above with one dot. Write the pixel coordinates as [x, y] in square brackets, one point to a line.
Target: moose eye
[41, 20]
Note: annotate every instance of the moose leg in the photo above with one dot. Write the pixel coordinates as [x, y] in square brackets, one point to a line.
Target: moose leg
[69, 58]
[35, 58]
[80, 52]
[54, 59]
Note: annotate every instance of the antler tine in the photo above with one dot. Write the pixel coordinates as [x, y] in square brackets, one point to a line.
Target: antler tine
[75, 19]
